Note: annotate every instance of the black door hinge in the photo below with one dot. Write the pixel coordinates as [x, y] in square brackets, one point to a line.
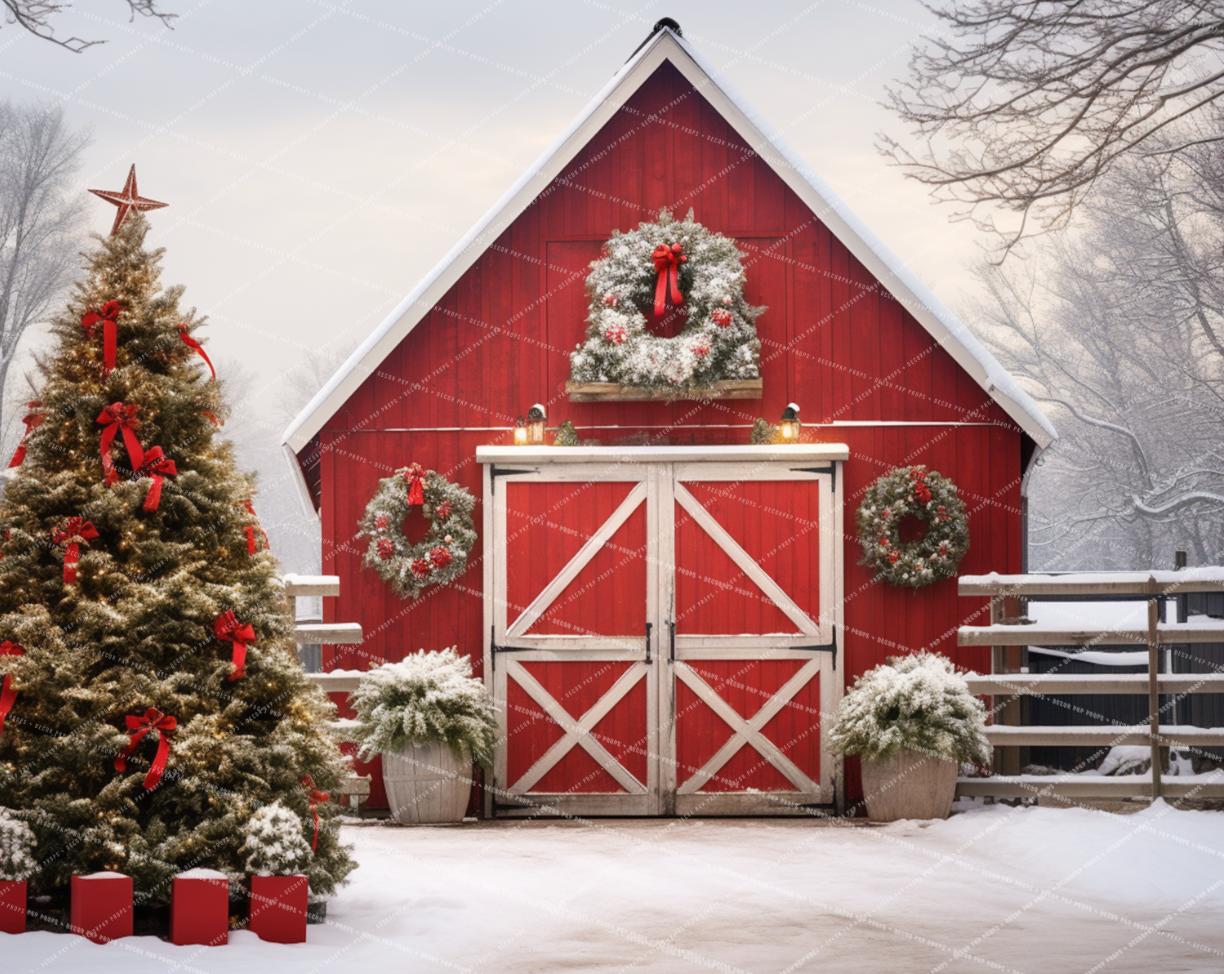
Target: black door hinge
[496, 471]
[831, 470]
[829, 647]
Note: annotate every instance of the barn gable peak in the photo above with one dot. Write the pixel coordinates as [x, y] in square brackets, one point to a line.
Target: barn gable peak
[666, 45]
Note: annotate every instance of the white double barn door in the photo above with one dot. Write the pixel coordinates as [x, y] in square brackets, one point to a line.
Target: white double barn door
[663, 634]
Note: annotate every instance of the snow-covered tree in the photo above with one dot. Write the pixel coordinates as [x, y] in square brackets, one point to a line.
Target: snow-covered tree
[1118, 330]
[160, 704]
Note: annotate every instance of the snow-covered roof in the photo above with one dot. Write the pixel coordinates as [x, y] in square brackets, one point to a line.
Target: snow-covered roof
[665, 45]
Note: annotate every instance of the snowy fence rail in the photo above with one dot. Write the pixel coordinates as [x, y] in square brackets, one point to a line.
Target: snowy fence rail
[1005, 634]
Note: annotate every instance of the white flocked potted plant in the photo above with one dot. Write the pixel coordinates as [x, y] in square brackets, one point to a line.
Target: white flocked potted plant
[911, 721]
[430, 719]
[276, 854]
[17, 865]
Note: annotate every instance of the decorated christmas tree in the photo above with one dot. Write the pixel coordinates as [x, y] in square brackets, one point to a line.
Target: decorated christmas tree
[154, 699]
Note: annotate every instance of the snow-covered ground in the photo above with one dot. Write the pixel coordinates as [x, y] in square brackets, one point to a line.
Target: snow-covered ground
[995, 889]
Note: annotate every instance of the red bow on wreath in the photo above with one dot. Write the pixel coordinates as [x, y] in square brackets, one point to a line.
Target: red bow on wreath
[76, 531]
[108, 314]
[8, 690]
[138, 727]
[192, 343]
[667, 261]
[413, 477]
[315, 798]
[230, 630]
[32, 420]
[921, 489]
[116, 417]
[158, 467]
[250, 529]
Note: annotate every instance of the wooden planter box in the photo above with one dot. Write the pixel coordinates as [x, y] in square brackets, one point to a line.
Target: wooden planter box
[12, 906]
[102, 906]
[278, 908]
[614, 392]
[199, 908]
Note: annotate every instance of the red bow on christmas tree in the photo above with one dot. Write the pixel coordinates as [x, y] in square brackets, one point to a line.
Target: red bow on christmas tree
[76, 531]
[229, 629]
[108, 314]
[413, 475]
[32, 420]
[192, 343]
[252, 528]
[667, 261]
[315, 798]
[158, 467]
[138, 727]
[118, 417]
[8, 691]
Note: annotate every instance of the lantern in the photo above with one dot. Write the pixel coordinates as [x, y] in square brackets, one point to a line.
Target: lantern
[520, 432]
[789, 427]
[536, 418]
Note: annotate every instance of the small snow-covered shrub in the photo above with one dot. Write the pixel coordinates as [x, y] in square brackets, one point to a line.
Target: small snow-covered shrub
[428, 698]
[916, 702]
[275, 844]
[17, 843]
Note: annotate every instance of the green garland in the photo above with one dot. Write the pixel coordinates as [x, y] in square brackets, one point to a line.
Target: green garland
[913, 492]
[438, 559]
[719, 340]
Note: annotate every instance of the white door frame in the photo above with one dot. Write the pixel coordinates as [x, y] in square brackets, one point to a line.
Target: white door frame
[658, 474]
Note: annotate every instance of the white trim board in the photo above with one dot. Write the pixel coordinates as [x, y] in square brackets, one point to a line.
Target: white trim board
[799, 453]
[868, 249]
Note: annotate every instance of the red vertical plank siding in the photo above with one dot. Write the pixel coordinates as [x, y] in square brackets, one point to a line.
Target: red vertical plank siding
[500, 339]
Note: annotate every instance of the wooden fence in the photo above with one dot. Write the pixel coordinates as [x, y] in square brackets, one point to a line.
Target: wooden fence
[1006, 634]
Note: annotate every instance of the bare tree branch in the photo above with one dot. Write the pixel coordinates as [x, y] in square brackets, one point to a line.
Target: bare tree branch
[36, 16]
[1023, 105]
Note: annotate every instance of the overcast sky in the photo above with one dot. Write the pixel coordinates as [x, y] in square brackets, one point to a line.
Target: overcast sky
[320, 157]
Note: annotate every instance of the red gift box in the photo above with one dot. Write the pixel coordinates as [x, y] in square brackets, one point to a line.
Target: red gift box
[199, 908]
[12, 906]
[278, 908]
[102, 906]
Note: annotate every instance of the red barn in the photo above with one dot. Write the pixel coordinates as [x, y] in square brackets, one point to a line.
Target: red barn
[668, 614]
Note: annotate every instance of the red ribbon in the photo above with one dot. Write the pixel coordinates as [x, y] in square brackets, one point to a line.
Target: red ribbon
[32, 420]
[75, 532]
[108, 314]
[667, 261]
[8, 690]
[209, 416]
[229, 629]
[158, 466]
[192, 343]
[118, 417]
[252, 528]
[416, 490]
[315, 797]
[138, 727]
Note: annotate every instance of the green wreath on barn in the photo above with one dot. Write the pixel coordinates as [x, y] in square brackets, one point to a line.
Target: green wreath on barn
[927, 496]
[442, 555]
[700, 271]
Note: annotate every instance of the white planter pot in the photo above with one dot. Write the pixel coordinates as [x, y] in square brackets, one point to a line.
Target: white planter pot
[427, 785]
[909, 785]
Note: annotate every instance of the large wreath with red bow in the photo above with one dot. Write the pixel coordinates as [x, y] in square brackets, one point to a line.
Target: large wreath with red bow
[699, 275]
[921, 497]
[442, 555]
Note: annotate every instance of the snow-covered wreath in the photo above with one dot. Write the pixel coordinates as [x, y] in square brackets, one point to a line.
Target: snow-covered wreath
[927, 496]
[442, 555]
[696, 269]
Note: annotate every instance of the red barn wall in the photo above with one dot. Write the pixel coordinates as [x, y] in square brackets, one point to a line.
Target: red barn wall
[832, 340]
